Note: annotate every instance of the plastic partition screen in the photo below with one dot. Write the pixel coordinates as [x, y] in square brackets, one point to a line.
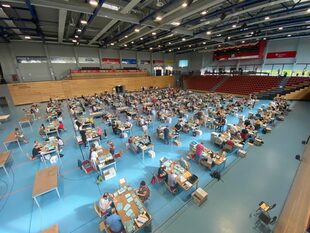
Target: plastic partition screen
[183, 63]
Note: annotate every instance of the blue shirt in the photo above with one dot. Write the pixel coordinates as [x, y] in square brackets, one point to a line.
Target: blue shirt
[114, 222]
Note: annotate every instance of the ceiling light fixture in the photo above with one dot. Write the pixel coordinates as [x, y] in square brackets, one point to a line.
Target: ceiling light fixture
[228, 38]
[175, 23]
[179, 48]
[83, 21]
[151, 48]
[203, 12]
[183, 39]
[267, 18]
[264, 38]
[27, 37]
[243, 42]
[280, 28]
[169, 43]
[153, 33]
[132, 42]
[110, 6]
[6, 5]
[184, 4]
[141, 38]
[79, 30]
[234, 26]
[308, 10]
[170, 50]
[112, 44]
[93, 2]
[208, 32]
[158, 18]
[137, 30]
[204, 42]
[76, 36]
[74, 40]
[125, 45]
[126, 36]
[289, 35]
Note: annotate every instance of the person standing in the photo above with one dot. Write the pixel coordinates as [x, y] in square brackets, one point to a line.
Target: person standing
[166, 135]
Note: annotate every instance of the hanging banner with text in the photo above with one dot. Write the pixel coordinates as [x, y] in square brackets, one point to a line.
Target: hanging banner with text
[112, 61]
[285, 54]
[128, 61]
[158, 62]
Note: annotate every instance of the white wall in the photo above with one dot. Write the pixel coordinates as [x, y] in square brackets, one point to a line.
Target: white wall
[49, 71]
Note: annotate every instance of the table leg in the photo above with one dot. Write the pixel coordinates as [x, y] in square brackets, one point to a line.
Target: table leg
[30, 126]
[57, 192]
[20, 125]
[115, 166]
[5, 171]
[5, 146]
[142, 154]
[19, 146]
[35, 199]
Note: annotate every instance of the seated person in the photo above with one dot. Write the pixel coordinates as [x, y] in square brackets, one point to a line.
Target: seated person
[42, 130]
[178, 127]
[199, 149]
[143, 192]
[61, 126]
[20, 136]
[172, 182]
[105, 203]
[35, 151]
[114, 222]
[161, 174]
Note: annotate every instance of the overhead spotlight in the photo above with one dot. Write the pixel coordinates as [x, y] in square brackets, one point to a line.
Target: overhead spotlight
[27, 37]
[308, 10]
[79, 30]
[267, 18]
[141, 38]
[289, 35]
[158, 18]
[112, 44]
[234, 26]
[219, 34]
[74, 40]
[93, 2]
[159, 46]
[126, 36]
[190, 46]
[243, 42]
[280, 28]
[132, 42]
[219, 46]
[228, 38]
[169, 43]
[183, 39]
[76, 36]
[6, 5]
[137, 30]
[203, 12]
[204, 42]
[153, 33]
[184, 4]
[175, 23]
[208, 32]
[83, 21]
[170, 50]
[264, 38]
[179, 48]
[151, 48]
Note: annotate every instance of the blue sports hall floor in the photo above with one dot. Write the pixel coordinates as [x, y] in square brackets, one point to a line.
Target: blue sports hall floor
[265, 174]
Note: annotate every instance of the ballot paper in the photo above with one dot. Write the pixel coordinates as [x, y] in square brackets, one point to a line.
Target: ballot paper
[130, 199]
[127, 206]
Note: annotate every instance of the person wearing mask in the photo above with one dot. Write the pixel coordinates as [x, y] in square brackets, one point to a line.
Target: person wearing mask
[35, 151]
[42, 130]
[143, 192]
[19, 135]
[105, 203]
[172, 182]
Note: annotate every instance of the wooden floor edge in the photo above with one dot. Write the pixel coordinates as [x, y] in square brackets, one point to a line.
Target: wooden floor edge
[295, 214]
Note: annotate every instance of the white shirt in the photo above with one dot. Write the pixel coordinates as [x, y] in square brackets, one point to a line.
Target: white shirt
[104, 204]
[94, 156]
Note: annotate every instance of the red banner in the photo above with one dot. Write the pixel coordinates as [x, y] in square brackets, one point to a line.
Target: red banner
[107, 60]
[286, 54]
[104, 71]
[158, 62]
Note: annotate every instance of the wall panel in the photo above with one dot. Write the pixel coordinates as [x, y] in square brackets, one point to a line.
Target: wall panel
[25, 93]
